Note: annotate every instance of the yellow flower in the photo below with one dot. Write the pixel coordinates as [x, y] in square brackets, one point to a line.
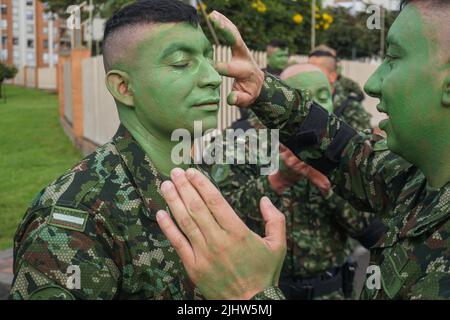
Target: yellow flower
[298, 18]
[327, 18]
[326, 26]
[262, 8]
[201, 6]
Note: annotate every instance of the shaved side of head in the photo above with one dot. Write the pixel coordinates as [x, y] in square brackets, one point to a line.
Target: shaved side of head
[328, 64]
[298, 68]
[120, 48]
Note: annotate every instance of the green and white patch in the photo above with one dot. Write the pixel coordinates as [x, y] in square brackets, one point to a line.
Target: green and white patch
[68, 218]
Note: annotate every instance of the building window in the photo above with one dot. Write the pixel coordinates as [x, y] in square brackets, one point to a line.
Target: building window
[30, 15]
[4, 40]
[30, 28]
[4, 9]
[29, 2]
[15, 41]
[4, 24]
[45, 44]
[30, 43]
[45, 30]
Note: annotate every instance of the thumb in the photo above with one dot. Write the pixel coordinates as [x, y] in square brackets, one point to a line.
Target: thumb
[275, 224]
[240, 99]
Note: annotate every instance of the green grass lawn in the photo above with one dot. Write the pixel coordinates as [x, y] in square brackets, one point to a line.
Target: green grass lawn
[34, 151]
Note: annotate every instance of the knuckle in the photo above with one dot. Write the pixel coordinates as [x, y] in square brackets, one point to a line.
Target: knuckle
[195, 206]
[214, 200]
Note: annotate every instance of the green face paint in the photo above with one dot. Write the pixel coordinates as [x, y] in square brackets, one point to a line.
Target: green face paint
[174, 83]
[278, 60]
[317, 83]
[174, 80]
[409, 86]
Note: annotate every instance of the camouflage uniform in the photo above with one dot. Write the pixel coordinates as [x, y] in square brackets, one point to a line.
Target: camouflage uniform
[100, 218]
[319, 226]
[345, 87]
[414, 256]
[348, 106]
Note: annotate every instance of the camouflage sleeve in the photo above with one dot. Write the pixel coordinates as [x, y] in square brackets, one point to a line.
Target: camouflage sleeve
[271, 293]
[60, 260]
[365, 172]
[243, 185]
[356, 116]
[350, 219]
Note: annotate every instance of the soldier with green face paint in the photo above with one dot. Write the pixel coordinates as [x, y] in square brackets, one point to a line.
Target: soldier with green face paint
[412, 261]
[93, 233]
[347, 103]
[277, 57]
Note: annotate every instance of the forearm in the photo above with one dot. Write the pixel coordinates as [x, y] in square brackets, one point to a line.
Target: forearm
[328, 144]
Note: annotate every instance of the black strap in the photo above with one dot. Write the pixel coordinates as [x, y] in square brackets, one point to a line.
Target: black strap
[310, 133]
[310, 288]
[370, 235]
[340, 110]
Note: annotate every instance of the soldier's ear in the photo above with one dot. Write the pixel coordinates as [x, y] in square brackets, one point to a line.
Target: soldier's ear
[446, 93]
[118, 84]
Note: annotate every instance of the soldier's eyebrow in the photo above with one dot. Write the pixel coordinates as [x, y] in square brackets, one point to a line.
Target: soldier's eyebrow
[174, 47]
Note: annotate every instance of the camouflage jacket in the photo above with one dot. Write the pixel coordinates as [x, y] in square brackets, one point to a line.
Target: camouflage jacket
[349, 108]
[412, 261]
[346, 87]
[319, 226]
[92, 234]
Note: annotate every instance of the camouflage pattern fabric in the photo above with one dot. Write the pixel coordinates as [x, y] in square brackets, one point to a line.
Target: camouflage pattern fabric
[345, 87]
[100, 219]
[354, 113]
[414, 256]
[319, 225]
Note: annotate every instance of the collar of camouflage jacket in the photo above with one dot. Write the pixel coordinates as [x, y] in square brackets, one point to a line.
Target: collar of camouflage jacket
[144, 174]
[425, 211]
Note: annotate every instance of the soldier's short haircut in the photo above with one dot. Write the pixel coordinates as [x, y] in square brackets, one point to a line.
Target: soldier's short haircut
[433, 3]
[278, 44]
[124, 23]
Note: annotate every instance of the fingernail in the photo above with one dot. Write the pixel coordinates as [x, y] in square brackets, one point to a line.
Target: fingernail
[166, 186]
[266, 201]
[176, 172]
[161, 214]
[190, 173]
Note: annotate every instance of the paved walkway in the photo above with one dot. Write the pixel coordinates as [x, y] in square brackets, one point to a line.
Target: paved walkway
[6, 272]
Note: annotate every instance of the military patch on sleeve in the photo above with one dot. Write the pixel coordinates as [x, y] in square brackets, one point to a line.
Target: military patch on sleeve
[68, 218]
[51, 293]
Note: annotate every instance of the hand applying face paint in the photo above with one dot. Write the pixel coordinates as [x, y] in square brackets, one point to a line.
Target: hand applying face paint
[242, 67]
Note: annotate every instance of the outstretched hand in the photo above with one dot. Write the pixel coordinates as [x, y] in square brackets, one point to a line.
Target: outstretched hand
[224, 258]
[248, 77]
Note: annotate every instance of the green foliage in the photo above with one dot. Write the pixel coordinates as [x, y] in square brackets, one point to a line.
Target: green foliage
[7, 72]
[261, 21]
[350, 36]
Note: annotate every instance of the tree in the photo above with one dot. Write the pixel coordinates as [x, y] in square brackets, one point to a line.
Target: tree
[6, 72]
